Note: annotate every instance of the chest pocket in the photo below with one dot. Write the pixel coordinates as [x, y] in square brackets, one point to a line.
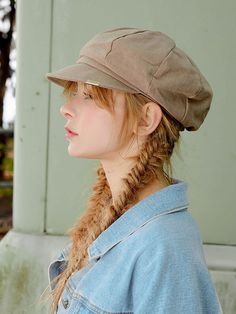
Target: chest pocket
[70, 305]
[71, 302]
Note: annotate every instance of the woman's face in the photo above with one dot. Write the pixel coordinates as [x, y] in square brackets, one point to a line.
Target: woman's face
[97, 130]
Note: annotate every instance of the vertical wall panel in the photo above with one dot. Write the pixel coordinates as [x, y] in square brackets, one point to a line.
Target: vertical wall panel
[202, 29]
[31, 125]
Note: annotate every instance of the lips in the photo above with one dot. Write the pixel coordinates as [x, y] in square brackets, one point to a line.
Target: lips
[70, 131]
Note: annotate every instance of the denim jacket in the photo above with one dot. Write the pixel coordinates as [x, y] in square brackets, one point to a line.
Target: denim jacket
[149, 261]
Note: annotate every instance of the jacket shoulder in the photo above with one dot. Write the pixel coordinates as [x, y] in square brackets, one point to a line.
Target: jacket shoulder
[174, 232]
[173, 269]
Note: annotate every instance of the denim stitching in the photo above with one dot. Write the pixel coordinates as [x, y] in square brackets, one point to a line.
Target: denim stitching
[152, 218]
[77, 296]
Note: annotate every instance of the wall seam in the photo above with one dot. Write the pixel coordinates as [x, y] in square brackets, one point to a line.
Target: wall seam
[48, 121]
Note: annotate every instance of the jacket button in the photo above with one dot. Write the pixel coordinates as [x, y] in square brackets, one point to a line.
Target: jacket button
[65, 303]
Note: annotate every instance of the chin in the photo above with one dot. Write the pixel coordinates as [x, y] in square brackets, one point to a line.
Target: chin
[72, 153]
[76, 154]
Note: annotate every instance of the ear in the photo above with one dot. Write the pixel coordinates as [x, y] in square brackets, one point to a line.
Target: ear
[151, 117]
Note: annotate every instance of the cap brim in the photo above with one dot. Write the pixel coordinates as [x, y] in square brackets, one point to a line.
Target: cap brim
[87, 74]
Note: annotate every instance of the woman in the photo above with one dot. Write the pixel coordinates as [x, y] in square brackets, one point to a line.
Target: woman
[136, 248]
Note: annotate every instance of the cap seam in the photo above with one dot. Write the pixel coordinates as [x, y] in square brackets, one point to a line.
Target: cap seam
[125, 35]
[200, 89]
[121, 79]
[193, 96]
[185, 111]
[158, 69]
[199, 76]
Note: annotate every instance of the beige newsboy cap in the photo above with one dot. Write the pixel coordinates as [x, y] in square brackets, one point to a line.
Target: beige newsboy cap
[147, 62]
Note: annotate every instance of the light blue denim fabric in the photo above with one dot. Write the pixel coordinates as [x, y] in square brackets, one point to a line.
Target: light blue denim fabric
[150, 260]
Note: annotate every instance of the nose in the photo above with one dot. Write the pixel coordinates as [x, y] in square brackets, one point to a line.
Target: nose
[66, 111]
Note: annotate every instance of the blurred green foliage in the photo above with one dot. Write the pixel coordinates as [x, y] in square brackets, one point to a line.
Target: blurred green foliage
[5, 192]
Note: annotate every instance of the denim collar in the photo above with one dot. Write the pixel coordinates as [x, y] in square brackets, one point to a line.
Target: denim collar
[169, 199]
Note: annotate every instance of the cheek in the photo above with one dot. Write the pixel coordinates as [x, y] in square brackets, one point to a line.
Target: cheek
[96, 121]
[97, 130]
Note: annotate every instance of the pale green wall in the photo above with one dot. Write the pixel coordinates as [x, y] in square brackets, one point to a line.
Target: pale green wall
[52, 188]
[32, 113]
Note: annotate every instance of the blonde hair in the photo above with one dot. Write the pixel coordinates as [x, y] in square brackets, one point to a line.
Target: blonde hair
[154, 156]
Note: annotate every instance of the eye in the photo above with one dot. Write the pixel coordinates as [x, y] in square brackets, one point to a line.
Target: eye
[73, 94]
[88, 95]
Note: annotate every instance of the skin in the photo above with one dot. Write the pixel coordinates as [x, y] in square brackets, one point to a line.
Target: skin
[97, 137]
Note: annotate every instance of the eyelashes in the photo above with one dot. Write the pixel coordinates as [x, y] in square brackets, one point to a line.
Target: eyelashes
[88, 95]
[74, 94]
